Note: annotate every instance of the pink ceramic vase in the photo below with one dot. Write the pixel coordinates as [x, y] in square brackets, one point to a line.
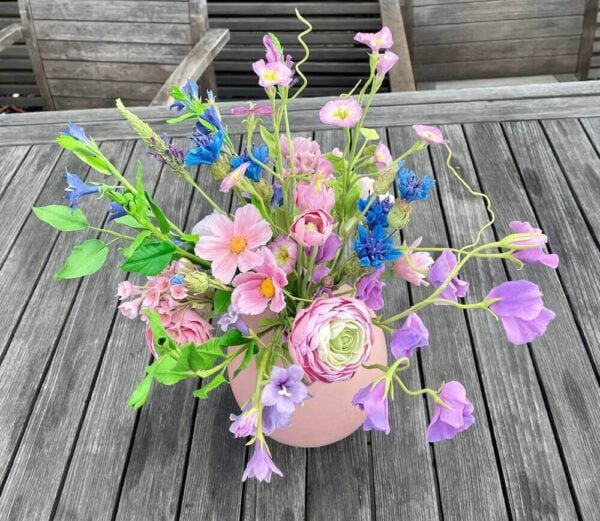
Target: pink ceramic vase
[329, 415]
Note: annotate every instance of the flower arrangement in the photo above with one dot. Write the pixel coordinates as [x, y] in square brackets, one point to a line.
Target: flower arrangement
[290, 280]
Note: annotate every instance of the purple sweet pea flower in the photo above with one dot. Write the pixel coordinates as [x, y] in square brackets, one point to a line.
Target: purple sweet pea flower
[374, 402]
[533, 255]
[260, 465]
[521, 310]
[438, 273]
[231, 319]
[457, 417]
[244, 424]
[319, 274]
[285, 390]
[329, 250]
[369, 289]
[409, 336]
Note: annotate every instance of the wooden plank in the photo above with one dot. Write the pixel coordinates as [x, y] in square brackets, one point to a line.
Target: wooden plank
[113, 71]
[587, 38]
[119, 32]
[248, 53]
[468, 462]
[524, 439]
[490, 50]
[96, 10]
[12, 157]
[308, 9]
[67, 103]
[48, 379]
[257, 23]
[108, 89]
[495, 10]
[570, 385]
[10, 35]
[493, 31]
[310, 67]
[289, 37]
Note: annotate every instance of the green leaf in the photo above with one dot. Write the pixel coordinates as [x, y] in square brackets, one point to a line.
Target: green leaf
[150, 258]
[86, 258]
[163, 224]
[136, 243]
[163, 343]
[62, 217]
[369, 134]
[140, 393]
[336, 161]
[270, 140]
[85, 153]
[233, 337]
[129, 221]
[179, 119]
[205, 390]
[251, 350]
[222, 300]
[209, 353]
[164, 371]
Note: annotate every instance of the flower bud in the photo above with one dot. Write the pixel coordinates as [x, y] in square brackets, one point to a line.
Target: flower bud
[383, 182]
[265, 191]
[399, 215]
[197, 281]
[220, 169]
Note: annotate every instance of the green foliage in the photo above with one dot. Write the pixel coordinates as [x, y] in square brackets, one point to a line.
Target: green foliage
[86, 258]
[140, 393]
[249, 354]
[136, 243]
[150, 258]
[162, 221]
[130, 222]
[62, 217]
[204, 391]
[222, 301]
[345, 199]
[89, 154]
[369, 134]
[270, 140]
[163, 343]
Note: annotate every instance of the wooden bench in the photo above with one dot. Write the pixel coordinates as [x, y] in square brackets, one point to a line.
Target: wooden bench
[86, 54]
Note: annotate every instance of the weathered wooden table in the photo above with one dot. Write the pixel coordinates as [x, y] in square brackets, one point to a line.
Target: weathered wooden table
[70, 449]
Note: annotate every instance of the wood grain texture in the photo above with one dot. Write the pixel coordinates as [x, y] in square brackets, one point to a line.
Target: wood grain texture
[588, 34]
[9, 35]
[401, 76]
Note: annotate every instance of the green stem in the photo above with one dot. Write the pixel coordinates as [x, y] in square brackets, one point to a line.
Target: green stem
[111, 232]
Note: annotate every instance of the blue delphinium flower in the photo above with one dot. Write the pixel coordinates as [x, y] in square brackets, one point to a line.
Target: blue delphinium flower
[190, 89]
[410, 187]
[374, 247]
[207, 150]
[211, 117]
[76, 132]
[76, 188]
[378, 211]
[115, 211]
[254, 171]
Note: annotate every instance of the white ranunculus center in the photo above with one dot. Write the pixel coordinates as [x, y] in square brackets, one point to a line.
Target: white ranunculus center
[341, 343]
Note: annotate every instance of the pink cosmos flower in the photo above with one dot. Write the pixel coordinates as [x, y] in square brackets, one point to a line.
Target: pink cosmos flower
[262, 288]
[533, 255]
[312, 228]
[234, 177]
[382, 158]
[183, 326]
[252, 110]
[316, 194]
[272, 74]
[202, 227]
[285, 252]
[232, 244]
[306, 152]
[343, 112]
[331, 338]
[412, 266]
[386, 62]
[376, 41]
[431, 135]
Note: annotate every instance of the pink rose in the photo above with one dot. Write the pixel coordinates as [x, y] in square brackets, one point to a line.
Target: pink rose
[331, 338]
[184, 325]
[312, 228]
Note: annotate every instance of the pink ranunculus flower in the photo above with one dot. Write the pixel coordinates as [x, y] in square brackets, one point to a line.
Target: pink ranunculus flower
[312, 228]
[413, 265]
[255, 291]
[343, 112]
[272, 74]
[232, 244]
[386, 62]
[376, 41]
[431, 135]
[183, 326]
[285, 252]
[306, 153]
[332, 338]
[316, 194]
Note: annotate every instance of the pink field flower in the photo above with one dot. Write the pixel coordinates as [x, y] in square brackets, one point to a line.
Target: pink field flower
[262, 288]
[232, 244]
[386, 62]
[431, 135]
[306, 153]
[413, 265]
[343, 112]
[285, 252]
[382, 158]
[312, 228]
[233, 178]
[376, 41]
[272, 74]
[252, 110]
[316, 194]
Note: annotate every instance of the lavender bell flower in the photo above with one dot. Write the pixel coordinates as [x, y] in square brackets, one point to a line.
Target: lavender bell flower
[273, 420]
[374, 402]
[231, 319]
[260, 465]
[244, 424]
[76, 188]
[521, 310]
[285, 390]
[439, 272]
[447, 422]
[409, 336]
[369, 289]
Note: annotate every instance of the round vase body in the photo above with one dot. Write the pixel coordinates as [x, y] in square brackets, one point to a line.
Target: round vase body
[329, 415]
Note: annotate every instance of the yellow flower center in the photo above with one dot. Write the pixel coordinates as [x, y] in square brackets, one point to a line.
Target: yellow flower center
[270, 76]
[312, 227]
[238, 244]
[341, 113]
[282, 255]
[267, 288]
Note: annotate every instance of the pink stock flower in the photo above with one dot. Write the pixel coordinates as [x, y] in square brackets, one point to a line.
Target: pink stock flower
[431, 135]
[183, 326]
[343, 112]
[316, 194]
[376, 41]
[231, 245]
[382, 158]
[126, 289]
[131, 308]
[331, 338]
[262, 288]
[306, 153]
[413, 265]
[272, 74]
[252, 110]
[160, 282]
[178, 291]
[151, 297]
[312, 228]
[533, 255]
[285, 252]
[386, 62]
[234, 177]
